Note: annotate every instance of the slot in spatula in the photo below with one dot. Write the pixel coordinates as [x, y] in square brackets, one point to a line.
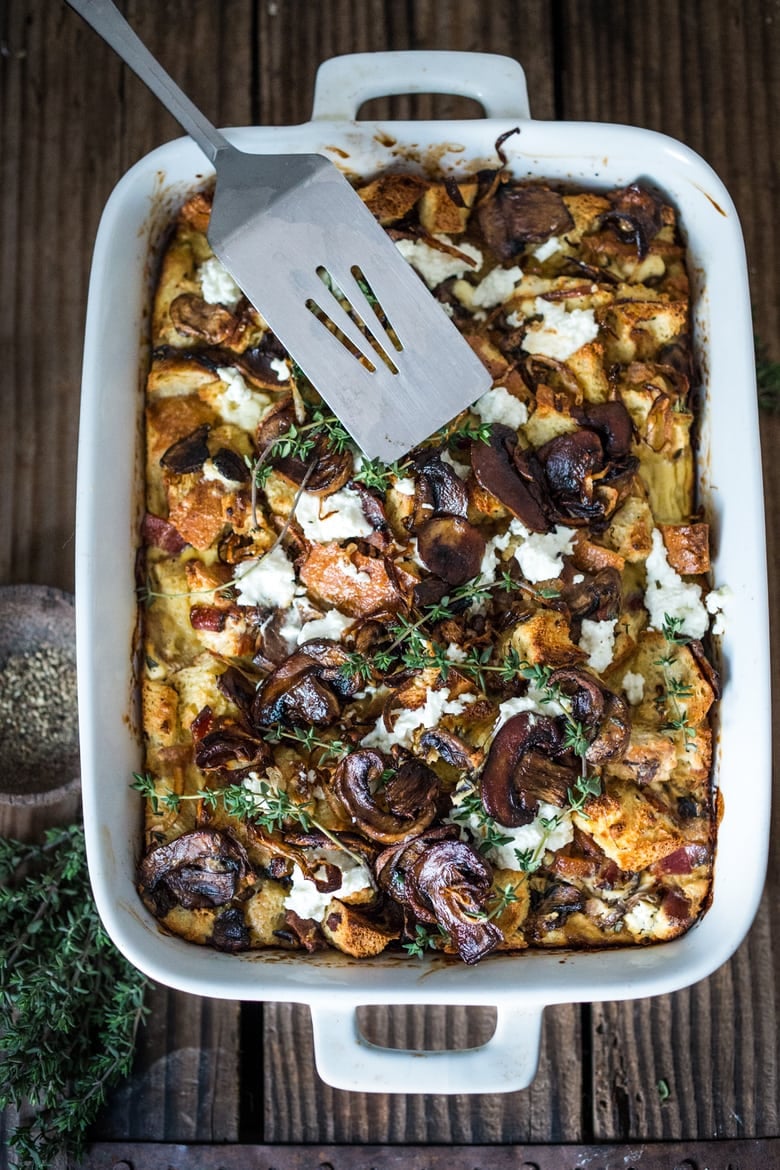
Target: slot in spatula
[311, 258]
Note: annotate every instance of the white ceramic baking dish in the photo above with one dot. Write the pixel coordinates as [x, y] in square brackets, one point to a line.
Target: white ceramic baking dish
[109, 502]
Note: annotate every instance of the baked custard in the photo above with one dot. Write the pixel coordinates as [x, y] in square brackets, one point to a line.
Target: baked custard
[459, 703]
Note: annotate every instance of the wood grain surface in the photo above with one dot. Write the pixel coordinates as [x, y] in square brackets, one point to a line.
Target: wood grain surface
[72, 120]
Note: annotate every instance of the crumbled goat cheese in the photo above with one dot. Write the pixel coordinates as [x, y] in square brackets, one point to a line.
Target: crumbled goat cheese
[308, 902]
[532, 840]
[540, 556]
[217, 285]
[560, 333]
[435, 266]
[336, 517]
[462, 470]
[331, 625]
[404, 486]
[281, 367]
[640, 919]
[533, 700]
[437, 704]
[290, 627]
[578, 578]
[239, 403]
[667, 595]
[716, 602]
[497, 286]
[498, 405]
[597, 639]
[547, 249]
[269, 580]
[634, 687]
[455, 653]
[212, 472]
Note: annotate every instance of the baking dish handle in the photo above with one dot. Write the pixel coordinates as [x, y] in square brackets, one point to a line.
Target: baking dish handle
[507, 1062]
[344, 83]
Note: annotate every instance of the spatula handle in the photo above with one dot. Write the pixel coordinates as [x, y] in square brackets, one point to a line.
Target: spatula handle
[106, 19]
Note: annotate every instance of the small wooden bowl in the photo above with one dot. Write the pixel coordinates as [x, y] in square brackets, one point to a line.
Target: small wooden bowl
[37, 619]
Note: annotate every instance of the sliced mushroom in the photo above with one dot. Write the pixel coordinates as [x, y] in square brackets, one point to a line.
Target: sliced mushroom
[404, 805]
[570, 464]
[187, 454]
[306, 688]
[452, 749]
[598, 598]
[500, 470]
[447, 882]
[451, 548]
[231, 932]
[526, 764]
[326, 469]
[440, 490]
[199, 869]
[192, 317]
[230, 744]
[520, 215]
[230, 465]
[604, 716]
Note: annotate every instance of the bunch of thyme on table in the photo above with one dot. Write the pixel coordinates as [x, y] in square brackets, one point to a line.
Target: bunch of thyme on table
[70, 1004]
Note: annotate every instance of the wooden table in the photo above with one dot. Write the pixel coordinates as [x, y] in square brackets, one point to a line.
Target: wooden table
[72, 120]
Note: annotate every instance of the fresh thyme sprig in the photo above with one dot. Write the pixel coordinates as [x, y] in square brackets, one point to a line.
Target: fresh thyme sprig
[425, 938]
[332, 749]
[671, 629]
[668, 702]
[269, 807]
[147, 595]
[489, 831]
[376, 474]
[587, 784]
[70, 1005]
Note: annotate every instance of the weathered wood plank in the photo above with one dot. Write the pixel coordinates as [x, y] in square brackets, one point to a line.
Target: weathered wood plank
[547, 1111]
[703, 73]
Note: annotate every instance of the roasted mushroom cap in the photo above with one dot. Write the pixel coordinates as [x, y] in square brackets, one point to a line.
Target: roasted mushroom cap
[404, 805]
[438, 490]
[444, 881]
[516, 216]
[581, 468]
[604, 716]
[451, 548]
[526, 764]
[598, 598]
[230, 745]
[306, 688]
[511, 477]
[231, 932]
[203, 868]
[187, 454]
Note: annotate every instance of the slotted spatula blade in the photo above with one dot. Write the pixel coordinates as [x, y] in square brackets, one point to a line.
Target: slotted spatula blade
[311, 258]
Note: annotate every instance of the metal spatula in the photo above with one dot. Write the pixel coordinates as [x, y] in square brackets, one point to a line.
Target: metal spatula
[311, 258]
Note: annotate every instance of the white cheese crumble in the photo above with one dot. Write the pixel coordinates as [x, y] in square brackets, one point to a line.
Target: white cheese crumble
[217, 285]
[540, 556]
[547, 249]
[404, 486]
[308, 902]
[455, 653]
[334, 517]
[331, 625]
[498, 405]
[634, 687]
[716, 602]
[597, 639]
[497, 287]
[532, 700]
[640, 919]
[435, 266]
[437, 704]
[667, 595]
[551, 829]
[281, 367]
[239, 403]
[269, 580]
[560, 333]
